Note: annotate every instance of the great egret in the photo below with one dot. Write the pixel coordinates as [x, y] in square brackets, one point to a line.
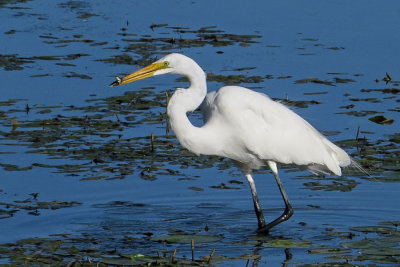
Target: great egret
[245, 126]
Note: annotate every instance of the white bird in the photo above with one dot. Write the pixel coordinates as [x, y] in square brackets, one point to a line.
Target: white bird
[245, 126]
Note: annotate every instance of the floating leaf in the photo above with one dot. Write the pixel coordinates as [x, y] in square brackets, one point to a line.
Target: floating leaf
[381, 120]
[186, 238]
[223, 186]
[328, 251]
[371, 100]
[234, 79]
[314, 80]
[286, 243]
[343, 80]
[128, 260]
[391, 223]
[370, 243]
[385, 91]
[381, 251]
[374, 229]
[194, 188]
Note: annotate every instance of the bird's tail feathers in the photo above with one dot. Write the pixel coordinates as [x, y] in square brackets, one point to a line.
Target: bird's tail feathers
[318, 169]
[355, 165]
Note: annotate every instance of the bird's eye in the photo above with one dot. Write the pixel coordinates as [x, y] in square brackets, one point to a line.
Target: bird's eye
[166, 64]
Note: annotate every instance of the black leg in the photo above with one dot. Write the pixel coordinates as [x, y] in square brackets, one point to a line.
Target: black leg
[257, 207]
[288, 212]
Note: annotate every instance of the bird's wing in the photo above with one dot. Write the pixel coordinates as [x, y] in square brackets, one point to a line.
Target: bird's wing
[271, 131]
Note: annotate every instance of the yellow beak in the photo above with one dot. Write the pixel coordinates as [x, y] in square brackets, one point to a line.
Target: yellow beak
[140, 74]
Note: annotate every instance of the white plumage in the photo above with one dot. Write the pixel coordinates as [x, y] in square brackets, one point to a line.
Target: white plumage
[245, 126]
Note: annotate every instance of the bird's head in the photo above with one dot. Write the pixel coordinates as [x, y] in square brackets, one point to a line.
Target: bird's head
[171, 63]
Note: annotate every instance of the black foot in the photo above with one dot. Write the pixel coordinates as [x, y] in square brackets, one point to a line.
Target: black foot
[264, 230]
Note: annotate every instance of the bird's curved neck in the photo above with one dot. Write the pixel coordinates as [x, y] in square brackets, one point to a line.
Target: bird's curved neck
[190, 99]
[187, 100]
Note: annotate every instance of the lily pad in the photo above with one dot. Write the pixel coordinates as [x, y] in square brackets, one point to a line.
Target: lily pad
[385, 91]
[128, 260]
[314, 80]
[328, 251]
[385, 242]
[286, 243]
[381, 120]
[391, 223]
[381, 251]
[186, 238]
[374, 229]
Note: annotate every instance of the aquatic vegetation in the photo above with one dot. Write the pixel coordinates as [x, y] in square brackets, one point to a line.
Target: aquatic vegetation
[358, 246]
[102, 138]
[33, 206]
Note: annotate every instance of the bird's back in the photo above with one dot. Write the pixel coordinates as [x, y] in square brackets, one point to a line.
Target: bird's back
[257, 129]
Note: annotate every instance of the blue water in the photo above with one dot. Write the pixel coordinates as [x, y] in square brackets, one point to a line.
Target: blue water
[355, 40]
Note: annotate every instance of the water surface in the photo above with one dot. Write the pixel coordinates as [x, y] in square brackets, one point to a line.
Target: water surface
[78, 170]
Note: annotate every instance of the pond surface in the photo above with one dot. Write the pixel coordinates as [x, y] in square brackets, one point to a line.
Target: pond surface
[81, 181]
